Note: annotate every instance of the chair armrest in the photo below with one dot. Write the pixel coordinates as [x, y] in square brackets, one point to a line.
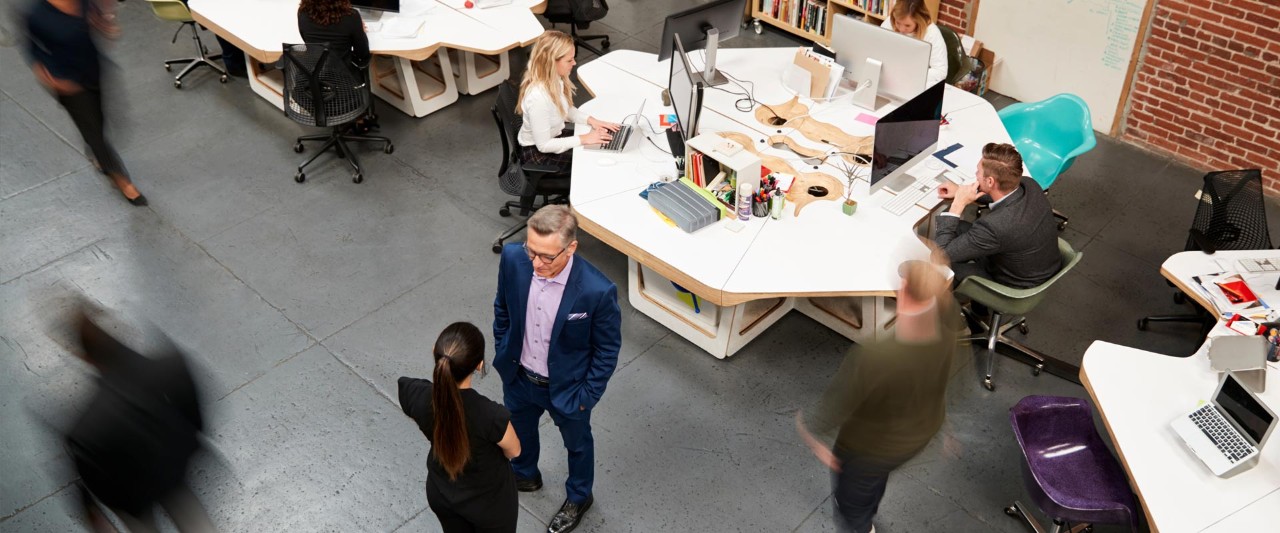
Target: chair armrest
[1206, 245]
[539, 169]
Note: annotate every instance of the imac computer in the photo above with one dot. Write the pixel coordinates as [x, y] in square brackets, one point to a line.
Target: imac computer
[371, 10]
[685, 87]
[904, 137]
[704, 27]
[878, 61]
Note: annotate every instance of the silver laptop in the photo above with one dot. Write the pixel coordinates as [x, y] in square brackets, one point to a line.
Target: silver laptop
[620, 137]
[1228, 433]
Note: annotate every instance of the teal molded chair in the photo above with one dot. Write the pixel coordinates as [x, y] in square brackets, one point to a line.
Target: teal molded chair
[1050, 134]
[176, 11]
[1005, 302]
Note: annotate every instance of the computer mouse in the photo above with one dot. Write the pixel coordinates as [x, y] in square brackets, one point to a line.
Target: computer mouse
[606, 162]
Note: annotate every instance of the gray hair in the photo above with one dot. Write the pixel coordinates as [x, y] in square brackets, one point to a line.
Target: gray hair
[555, 220]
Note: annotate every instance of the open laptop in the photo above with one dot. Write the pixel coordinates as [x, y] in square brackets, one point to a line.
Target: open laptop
[1228, 433]
[620, 137]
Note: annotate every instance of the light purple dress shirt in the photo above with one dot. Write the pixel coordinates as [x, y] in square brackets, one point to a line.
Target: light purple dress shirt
[540, 317]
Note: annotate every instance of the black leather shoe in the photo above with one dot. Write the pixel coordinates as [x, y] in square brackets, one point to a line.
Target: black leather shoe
[528, 485]
[569, 515]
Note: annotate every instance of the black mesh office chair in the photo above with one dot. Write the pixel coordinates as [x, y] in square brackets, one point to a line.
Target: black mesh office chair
[579, 14]
[322, 91]
[1231, 215]
[517, 178]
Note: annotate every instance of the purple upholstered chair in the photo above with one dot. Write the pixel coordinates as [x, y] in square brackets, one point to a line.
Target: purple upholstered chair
[1068, 471]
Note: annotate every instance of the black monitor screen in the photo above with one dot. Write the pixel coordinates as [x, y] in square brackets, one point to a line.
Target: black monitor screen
[906, 131]
[685, 90]
[1244, 409]
[377, 5]
[692, 24]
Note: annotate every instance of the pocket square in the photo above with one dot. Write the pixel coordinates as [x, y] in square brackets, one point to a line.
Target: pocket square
[576, 316]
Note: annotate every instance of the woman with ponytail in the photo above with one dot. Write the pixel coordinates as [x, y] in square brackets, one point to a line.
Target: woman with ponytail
[470, 485]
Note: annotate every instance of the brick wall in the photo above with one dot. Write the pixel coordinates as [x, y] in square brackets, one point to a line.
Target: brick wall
[1207, 87]
[954, 14]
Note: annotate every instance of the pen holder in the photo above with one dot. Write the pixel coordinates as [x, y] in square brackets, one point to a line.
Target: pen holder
[759, 209]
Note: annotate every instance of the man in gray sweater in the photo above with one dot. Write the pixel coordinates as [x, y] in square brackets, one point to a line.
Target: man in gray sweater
[1015, 242]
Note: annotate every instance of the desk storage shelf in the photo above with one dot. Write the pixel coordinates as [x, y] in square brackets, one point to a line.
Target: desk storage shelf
[811, 19]
[742, 163]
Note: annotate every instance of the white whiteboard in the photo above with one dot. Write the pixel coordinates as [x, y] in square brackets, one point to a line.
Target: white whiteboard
[1048, 47]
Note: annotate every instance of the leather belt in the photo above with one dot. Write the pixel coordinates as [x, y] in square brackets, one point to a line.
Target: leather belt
[534, 378]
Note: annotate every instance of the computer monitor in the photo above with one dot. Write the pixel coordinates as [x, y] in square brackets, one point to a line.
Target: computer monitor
[879, 61]
[685, 87]
[392, 6]
[905, 137]
[704, 27]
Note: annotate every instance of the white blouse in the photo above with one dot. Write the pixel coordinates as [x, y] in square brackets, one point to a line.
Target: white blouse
[543, 122]
[937, 54]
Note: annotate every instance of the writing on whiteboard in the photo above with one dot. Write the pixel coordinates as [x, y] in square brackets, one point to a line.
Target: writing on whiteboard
[1123, 18]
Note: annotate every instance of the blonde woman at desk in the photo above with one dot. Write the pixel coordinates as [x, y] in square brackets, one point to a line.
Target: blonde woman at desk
[546, 101]
[911, 17]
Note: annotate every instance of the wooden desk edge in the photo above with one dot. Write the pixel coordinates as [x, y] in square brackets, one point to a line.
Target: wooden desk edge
[1084, 380]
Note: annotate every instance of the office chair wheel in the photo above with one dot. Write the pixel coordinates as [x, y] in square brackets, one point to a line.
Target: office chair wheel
[986, 382]
[605, 43]
[759, 27]
[357, 178]
[497, 247]
[297, 147]
[1023, 328]
[1142, 324]
[504, 212]
[177, 84]
[299, 177]
[168, 67]
[222, 78]
[1062, 225]
[1011, 511]
[389, 148]
[1035, 370]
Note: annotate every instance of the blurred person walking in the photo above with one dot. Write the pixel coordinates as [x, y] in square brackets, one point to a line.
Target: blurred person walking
[888, 398]
[66, 61]
[132, 444]
[470, 485]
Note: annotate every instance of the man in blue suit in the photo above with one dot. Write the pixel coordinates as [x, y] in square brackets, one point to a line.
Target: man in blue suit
[558, 329]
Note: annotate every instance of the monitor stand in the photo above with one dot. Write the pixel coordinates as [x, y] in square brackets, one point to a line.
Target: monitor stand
[369, 15]
[711, 76]
[864, 95]
[900, 182]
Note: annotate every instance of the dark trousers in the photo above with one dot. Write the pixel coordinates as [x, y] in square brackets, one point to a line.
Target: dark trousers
[492, 514]
[859, 486]
[527, 402]
[85, 108]
[562, 161]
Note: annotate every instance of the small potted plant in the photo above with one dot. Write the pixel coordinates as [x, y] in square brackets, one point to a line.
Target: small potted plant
[850, 206]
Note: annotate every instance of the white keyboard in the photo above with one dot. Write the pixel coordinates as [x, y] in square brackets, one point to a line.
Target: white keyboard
[1260, 265]
[912, 194]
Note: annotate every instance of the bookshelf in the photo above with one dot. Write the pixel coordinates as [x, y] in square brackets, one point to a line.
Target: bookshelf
[707, 148]
[811, 19]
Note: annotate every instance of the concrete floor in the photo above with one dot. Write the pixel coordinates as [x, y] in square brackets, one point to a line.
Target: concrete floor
[303, 303]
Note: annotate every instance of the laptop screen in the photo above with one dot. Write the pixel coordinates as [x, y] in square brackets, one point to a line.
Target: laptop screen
[1244, 409]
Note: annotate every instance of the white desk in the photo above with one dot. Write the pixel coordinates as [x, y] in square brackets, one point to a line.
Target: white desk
[840, 270]
[1138, 393]
[1182, 266]
[400, 72]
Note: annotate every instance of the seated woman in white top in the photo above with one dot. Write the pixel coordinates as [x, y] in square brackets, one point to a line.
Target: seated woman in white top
[911, 17]
[546, 101]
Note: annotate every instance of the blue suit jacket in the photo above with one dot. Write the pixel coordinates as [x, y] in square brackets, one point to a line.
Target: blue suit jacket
[583, 352]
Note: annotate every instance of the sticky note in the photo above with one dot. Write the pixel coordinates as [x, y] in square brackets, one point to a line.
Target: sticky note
[867, 119]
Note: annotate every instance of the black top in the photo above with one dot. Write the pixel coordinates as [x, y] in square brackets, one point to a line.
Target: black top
[63, 43]
[346, 37]
[488, 471]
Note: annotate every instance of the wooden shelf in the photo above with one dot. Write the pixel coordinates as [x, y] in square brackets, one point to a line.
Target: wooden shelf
[788, 27]
[834, 8]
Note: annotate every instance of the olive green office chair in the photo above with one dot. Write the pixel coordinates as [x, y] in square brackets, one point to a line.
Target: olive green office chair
[1006, 302]
[176, 11]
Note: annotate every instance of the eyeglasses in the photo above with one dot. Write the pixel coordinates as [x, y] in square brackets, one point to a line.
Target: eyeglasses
[546, 259]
